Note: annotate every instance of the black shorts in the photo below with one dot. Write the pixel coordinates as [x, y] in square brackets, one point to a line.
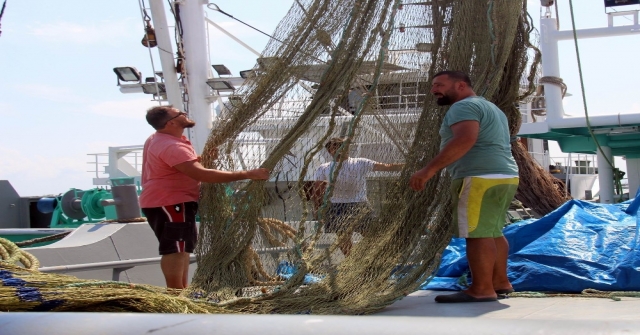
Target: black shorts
[342, 216]
[174, 226]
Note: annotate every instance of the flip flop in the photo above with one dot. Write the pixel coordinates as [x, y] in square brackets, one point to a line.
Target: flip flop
[461, 297]
[505, 291]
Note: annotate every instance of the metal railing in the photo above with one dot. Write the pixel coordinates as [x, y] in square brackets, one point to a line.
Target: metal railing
[117, 266]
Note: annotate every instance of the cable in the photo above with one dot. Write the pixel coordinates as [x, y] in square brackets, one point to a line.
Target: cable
[4, 5]
[217, 9]
[493, 44]
[611, 163]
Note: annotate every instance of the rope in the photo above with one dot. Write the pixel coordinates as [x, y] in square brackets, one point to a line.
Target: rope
[611, 163]
[10, 253]
[140, 219]
[538, 105]
[555, 81]
[587, 293]
[54, 237]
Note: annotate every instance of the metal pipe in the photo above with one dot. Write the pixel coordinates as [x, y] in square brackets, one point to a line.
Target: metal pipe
[106, 265]
[551, 68]
[233, 37]
[198, 70]
[633, 176]
[165, 50]
[605, 175]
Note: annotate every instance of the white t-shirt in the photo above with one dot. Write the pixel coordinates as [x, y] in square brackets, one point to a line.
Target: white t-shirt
[351, 184]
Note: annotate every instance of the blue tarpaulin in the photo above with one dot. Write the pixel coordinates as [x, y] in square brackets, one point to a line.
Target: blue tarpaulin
[578, 246]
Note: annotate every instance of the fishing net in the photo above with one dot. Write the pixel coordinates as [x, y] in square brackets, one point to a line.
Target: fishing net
[354, 69]
[359, 70]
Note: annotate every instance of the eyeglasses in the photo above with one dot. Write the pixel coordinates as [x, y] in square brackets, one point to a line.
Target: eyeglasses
[177, 116]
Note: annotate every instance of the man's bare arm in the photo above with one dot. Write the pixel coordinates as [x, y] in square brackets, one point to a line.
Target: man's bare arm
[198, 172]
[387, 166]
[465, 135]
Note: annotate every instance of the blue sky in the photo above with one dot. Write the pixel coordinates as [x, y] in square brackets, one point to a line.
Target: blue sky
[59, 100]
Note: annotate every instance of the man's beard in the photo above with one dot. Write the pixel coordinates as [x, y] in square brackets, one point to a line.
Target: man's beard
[189, 124]
[444, 100]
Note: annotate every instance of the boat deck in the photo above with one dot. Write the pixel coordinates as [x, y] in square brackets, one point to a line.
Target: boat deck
[421, 304]
[418, 313]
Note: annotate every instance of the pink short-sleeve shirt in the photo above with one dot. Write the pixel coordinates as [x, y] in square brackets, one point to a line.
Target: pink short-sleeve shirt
[162, 183]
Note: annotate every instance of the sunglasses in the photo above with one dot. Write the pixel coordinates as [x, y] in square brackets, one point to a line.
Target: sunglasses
[177, 116]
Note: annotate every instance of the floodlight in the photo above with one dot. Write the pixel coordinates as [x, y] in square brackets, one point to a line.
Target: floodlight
[152, 88]
[127, 73]
[221, 70]
[150, 80]
[220, 85]
[248, 74]
[613, 3]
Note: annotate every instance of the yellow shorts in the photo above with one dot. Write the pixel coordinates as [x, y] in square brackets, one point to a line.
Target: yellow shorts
[480, 205]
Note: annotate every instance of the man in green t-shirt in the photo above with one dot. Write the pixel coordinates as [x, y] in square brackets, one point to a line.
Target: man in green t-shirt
[476, 151]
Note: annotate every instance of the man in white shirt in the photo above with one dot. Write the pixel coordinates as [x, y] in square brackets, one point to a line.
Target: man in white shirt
[349, 209]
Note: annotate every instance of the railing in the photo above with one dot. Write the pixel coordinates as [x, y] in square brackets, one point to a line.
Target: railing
[584, 164]
[120, 160]
[117, 266]
[98, 163]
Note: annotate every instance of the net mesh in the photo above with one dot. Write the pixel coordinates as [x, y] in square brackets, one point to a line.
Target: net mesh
[359, 70]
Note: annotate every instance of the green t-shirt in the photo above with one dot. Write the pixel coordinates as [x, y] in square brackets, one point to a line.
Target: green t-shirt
[491, 154]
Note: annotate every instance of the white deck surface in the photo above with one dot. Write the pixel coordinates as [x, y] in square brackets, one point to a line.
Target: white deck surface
[421, 303]
[416, 314]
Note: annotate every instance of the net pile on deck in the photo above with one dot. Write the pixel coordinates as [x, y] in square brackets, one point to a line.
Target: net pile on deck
[302, 94]
[23, 288]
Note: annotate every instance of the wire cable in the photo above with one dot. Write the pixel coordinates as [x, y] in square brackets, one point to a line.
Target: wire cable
[215, 7]
[4, 6]
[611, 163]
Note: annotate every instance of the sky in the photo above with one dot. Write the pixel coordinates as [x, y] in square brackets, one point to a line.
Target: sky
[59, 100]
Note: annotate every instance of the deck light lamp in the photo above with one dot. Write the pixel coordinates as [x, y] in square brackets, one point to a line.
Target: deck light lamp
[221, 70]
[248, 74]
[220, 85]
[127, 74]
[613, 3]
[154, 88]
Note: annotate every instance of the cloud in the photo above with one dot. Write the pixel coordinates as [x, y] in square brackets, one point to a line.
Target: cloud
[35, 174]
[32, 164]
[91, 33]
[51, 93]
[128, 109]
[6, 109]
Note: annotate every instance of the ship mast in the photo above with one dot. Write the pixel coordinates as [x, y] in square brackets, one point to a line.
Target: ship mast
[198, 70]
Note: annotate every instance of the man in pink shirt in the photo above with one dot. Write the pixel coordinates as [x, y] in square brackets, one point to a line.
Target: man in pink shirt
[171, 176]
